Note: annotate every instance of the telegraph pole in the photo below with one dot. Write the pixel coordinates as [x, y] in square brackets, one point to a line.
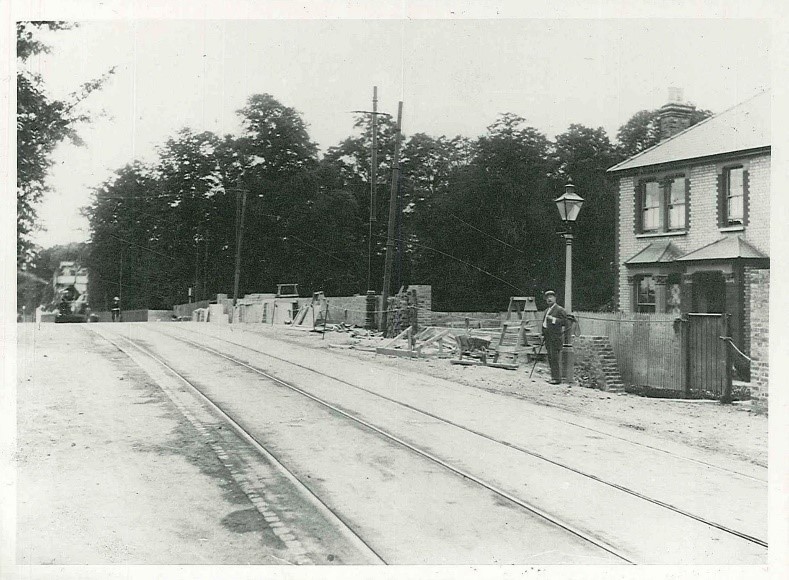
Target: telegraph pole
[373, 179]
[390, 242]
[374, 156]
[240, 212]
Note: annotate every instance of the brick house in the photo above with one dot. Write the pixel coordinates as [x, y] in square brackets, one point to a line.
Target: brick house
[694, 222]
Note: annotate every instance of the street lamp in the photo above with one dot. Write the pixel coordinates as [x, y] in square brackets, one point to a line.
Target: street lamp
[569, 206]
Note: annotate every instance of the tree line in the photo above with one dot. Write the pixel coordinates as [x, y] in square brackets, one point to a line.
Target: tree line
[476, 216]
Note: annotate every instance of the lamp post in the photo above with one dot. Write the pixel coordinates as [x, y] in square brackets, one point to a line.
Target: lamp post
[569, 206]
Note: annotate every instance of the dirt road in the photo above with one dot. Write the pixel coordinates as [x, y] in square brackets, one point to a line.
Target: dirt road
[121, 436]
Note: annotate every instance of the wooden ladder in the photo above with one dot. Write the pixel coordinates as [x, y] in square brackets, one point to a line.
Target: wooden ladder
[519, 307]
[521, 316]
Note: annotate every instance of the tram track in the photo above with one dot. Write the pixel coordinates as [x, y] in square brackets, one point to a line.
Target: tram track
[463, 473]
[571, 423]
[250, 439]
[393, 438]
[742, 535]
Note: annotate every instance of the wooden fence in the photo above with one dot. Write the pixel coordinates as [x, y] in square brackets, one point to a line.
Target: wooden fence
[648, 347]
[679, 356]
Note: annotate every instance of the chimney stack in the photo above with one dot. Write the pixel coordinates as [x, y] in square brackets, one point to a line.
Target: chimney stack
[674, 115]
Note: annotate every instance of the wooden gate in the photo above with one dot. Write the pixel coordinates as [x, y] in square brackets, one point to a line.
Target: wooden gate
[708, 364]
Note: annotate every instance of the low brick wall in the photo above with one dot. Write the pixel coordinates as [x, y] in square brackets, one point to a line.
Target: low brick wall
[758, 282]
[257, 308]
[350, 309]
[185, 310]
[595, 364]
[475, 319]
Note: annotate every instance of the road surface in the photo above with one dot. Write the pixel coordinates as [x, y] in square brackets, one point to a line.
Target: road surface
[266, 452]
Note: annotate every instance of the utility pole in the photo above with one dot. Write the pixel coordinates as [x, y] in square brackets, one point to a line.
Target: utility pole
[373, 179]
[390, 242]
[240, 212]
[374, 158]
[120, 279]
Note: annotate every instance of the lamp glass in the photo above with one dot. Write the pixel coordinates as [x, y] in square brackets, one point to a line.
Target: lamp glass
[569, 203]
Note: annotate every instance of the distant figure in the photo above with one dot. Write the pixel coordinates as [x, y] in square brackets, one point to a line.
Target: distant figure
[64, 307]
[116, 309]
[39, 309]
[553, 330]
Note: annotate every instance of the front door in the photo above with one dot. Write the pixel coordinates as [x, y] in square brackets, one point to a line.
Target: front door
[709, 292]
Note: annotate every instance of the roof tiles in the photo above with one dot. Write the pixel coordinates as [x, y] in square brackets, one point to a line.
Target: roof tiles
[740, 128]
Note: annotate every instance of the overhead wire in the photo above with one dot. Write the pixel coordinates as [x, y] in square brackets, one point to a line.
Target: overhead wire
[492, 275]
[488, 235]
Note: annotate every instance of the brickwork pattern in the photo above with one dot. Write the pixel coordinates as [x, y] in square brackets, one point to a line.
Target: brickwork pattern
[424, 297]
[595, 364]
[759, 282]
[628, 244]
[747, 274]
[703, 219]
[758, 231]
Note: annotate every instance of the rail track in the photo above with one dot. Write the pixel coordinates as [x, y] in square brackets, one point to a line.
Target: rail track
[567, 526]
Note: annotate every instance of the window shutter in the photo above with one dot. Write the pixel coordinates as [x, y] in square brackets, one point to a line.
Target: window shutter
[639, 203]
[745, 196]
[687, 202]
[721, 201]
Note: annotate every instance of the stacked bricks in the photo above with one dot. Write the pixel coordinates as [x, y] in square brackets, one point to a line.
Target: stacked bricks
[424, 300]
[759, 282]
[595, 364]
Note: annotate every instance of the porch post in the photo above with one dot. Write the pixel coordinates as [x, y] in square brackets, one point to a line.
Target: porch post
[686, 293]
[734, 307]
[632, 282]
[734, 304]
[661, 301]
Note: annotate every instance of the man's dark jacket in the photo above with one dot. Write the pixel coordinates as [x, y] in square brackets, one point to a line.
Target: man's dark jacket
[556, 321]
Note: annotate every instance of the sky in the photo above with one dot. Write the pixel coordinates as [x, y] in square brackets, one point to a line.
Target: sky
[454, 78]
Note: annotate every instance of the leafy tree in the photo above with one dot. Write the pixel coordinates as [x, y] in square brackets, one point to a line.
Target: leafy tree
[158, 230]
[584, 154]
[642, 131]
[347, 167]
[489, 232]
[42, 123]
[124, 216]
[428, 165]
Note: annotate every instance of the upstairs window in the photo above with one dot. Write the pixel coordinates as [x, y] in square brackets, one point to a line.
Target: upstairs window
[733, 196]
[676, 195]
[650, 219]
[735, 193]
[662, 205]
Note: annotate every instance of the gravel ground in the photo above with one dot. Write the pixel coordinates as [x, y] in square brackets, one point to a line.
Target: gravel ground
[730, 430]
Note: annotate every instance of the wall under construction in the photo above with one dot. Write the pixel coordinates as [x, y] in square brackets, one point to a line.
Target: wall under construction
[273, 309]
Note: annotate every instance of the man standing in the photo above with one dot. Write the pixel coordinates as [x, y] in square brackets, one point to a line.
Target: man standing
[116, 309]
[553, 331]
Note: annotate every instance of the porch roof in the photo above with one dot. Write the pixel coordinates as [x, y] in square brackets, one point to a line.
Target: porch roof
[727, 248]
[662, 251]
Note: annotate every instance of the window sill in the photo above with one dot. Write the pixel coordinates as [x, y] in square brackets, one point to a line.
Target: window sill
[732, 229]
[662, 234]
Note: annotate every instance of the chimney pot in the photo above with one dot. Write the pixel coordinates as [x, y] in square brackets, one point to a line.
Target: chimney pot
[674, 115]
[674, 95]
